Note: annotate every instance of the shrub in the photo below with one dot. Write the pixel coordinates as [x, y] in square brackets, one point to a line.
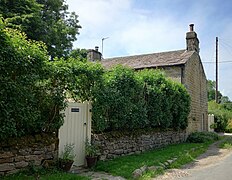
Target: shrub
[180, 106]
[34, 89]
[168, 103]
[156, 89]
[229, 127]
[118, 102]
[202, 137]
[78, 78]
[29, 103]
[128, 100]
[221, 116]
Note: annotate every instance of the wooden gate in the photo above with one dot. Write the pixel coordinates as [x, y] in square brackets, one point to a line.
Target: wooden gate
[75, 130]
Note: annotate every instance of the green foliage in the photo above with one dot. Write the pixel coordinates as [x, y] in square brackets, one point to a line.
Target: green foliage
[68, 153]
[229, 127]
[79, 54]
[125, 165]
[227, 143]
[34, 89]
[43, 20]
[91, 150]
[155, 90]
[211, 87]
[227, 105]
[44, 174]
[128, 100]
[168, 103]
[202, 137]
[79, 79]
[27, 102]
[221, 116]
[119, 102]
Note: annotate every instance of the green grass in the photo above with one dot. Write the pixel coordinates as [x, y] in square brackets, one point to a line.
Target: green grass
[125, 165]
[52, 175]
[227, 143]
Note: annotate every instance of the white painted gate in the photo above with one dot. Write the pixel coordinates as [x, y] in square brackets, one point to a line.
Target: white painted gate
[75, 130]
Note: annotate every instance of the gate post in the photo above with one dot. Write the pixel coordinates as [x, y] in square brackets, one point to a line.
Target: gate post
[89, 119]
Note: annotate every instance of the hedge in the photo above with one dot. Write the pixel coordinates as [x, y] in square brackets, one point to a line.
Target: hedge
[28, 103]
[118, 102]
[33, 89]
[128, 100]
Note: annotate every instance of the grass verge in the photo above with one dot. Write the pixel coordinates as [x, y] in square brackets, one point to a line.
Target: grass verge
[125, 165]
[43, 174]
[227, 143]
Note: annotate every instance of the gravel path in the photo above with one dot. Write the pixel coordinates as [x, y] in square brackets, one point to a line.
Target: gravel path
[211, 157]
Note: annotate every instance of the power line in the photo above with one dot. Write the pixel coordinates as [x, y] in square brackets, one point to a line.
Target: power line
[218, 62]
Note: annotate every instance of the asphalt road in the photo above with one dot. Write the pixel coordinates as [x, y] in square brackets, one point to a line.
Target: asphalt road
[220, 171]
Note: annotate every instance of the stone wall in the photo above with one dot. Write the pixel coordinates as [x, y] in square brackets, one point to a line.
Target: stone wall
[173, 72]
[18, 153]
[118, 144]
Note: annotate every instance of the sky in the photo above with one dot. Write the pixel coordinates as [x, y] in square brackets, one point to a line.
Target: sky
[147, 26]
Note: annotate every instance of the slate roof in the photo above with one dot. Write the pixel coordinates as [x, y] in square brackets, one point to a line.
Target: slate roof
[170, 58]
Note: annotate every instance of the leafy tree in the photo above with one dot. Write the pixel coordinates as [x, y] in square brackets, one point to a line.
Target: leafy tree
[29, 102]
[33, 89]
[221, 115]
[222, 111]
[79, 79]
[79, 54]
[43, 20]
[211, 91]
[211, 86]
[225, 99]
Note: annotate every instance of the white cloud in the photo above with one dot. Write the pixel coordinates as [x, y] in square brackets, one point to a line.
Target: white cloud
[135, 30]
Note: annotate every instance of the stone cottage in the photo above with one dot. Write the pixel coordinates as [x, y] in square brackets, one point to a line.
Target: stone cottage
[183, 66]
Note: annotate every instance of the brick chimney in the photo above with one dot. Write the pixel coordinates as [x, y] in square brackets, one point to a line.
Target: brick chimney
[94, 54]
[192, 41]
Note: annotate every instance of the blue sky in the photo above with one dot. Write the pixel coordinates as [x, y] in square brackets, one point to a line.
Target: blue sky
[139, 27]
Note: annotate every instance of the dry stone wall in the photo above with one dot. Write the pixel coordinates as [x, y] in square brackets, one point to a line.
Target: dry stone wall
[16, 154]
[118, 144]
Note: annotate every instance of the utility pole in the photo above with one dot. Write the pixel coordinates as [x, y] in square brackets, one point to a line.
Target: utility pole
[216, 91]
[102, 43]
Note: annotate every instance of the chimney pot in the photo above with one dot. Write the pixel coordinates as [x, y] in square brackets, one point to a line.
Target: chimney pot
[191, 27]
[96, 48]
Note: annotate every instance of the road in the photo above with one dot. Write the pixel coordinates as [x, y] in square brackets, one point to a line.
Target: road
[214, 164]
[220, 171]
